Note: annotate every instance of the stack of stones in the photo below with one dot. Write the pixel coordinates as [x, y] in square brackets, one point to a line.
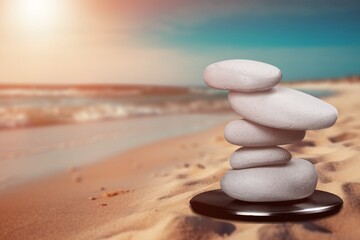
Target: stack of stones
[271, 116]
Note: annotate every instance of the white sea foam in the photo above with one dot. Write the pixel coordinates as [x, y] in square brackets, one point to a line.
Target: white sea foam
[36, 107]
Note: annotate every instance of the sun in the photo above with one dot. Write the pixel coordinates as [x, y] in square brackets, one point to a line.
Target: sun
[35, 15]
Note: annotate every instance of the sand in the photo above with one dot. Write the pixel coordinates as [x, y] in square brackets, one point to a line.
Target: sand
[144, 192]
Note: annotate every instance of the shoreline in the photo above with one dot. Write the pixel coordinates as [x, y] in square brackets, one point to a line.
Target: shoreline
[84, 144]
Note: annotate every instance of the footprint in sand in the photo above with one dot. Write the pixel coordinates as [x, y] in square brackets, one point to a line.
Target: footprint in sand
[299, 147]
[330, 166]
[204, 181]
[352, 193]
[325, 170]
[292, 231]
[324, 178]
[195, 226]
[343, 137]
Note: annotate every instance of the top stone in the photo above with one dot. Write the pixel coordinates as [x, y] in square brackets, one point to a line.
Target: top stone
[242, 75]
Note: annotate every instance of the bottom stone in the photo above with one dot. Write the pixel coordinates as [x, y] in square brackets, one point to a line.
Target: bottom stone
[217, 204]
[295, 180]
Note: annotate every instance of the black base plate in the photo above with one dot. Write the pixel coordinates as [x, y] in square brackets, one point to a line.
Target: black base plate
[217, 204]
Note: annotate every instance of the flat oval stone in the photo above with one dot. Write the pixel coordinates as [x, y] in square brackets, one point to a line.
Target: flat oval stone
[295, 180]
[249, 134]
[247, 157]
[242, 75]
[284, 108]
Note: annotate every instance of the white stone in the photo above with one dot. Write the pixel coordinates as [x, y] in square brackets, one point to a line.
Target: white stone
[295, 180]
[242, 75]
[246, 133]
[284, 108]
[247, 157]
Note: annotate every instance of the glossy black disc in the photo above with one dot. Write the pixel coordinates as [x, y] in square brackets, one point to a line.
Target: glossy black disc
[217, 204]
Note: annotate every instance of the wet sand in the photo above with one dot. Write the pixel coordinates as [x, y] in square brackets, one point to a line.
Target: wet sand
[30, 153]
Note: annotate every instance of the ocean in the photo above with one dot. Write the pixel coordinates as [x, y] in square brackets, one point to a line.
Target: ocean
[38, 106]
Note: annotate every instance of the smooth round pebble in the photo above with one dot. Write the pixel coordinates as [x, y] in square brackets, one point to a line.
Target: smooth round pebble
[247, 157]
[284, 108]
[242, 75]
[295, 180]
[246, 133]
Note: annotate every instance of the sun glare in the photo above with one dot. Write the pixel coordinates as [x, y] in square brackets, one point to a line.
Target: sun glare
[34, 15]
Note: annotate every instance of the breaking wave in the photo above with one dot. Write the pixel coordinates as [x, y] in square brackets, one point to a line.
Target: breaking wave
[23, 107]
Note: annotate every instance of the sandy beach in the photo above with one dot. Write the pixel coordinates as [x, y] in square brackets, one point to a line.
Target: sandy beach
[144, 192]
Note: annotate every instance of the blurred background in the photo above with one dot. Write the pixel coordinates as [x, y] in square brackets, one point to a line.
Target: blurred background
[170, 42]
[140, 64]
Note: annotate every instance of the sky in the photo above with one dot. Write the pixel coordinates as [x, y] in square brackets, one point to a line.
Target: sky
[171, 42]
